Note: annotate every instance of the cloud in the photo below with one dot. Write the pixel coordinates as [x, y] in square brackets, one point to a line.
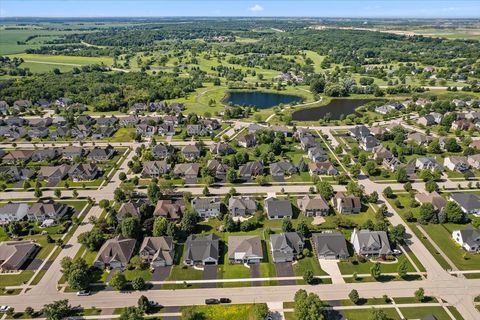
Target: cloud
[256, 8]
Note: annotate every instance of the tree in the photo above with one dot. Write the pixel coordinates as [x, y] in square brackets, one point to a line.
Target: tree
[378, 314]
[160, 227]
[143, 304]
[260, 311]
[92, 239]
[38, 193]
[370, 168]
[308, 276]
[130, 227]
[118, 281]
[402, 268]
[420, 294]
[375, 271]
[138, 283]
[388, 192]
[29, 311]
[354, 297]
[427, 213]
[57, 193]
[76, 272]
[325, 189]
[153, 192]
[401, 175]
[308, 306]
[131, 313]
[286, 224]
[303, 229]
[119, 195]
[122, 176]
[75, 193]
[57, 310]
[232, 175]
[373, 197]
[431, 186]
[454, 213]
[188, 222]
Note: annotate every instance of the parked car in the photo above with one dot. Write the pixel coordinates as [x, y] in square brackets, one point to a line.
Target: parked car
[225, 300]
[153, 303]
[212, 301]
[4, 308]
[83, 293]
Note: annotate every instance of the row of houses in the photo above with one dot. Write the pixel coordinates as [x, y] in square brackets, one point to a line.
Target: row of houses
[95, 154]
[206, 250]
[39, 211]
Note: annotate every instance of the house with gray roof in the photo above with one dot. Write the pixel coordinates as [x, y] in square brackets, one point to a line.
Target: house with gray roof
[53, 173]
[161, 151]
[154, 168]
[278, 208]
[206, 207]
[282, 168]
[44, 155]
[330, 245]
[241, 206]
[251, 169]
[103, 132]
[187, 170]
[245, 249]
[191, 151]
[13, 212]
[14, 254]
[83, 172]
[359, 132]
[115, 253]
[317, 154]
[285, 247]
[41, 211]
[468, 239]
[427, 163]
[221, 148]
[313, 207]
[217, 169]
[15, 173]
[202, 250]
[247, 140]
[370, 243]
[157, 251]
[470, 203]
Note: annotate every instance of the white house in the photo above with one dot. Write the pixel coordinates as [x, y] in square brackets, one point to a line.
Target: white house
[469, 239]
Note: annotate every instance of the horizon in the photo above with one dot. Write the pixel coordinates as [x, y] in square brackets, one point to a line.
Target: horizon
[327, 9]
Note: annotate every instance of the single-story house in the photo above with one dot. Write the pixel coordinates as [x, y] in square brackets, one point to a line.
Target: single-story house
[14, 254]
[470, 203]
[157, 251]
[278, 208]
[115, 253]
[330, 245]
[13, 212]
[245, 249]
[202, 250]
[313, 207]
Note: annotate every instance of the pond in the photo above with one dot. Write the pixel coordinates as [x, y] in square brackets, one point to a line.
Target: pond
[336, 108]
[261, 100]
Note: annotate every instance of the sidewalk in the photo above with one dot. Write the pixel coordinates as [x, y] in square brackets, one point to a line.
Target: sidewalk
[444, 256]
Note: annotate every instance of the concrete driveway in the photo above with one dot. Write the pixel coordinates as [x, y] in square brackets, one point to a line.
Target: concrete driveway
[285, 269]
[331, 267]
[209, 273]
[255, 273]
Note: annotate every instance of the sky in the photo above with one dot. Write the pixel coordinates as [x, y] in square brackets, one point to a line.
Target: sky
[243, 8]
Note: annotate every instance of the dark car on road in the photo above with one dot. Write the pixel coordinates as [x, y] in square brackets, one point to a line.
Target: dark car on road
[212, 301]
[225, 300]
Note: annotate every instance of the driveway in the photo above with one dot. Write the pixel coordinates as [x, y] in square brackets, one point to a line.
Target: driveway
[190, 180]
[161, 273]
[331, 267]
[285, 269]
[278, 178]
[209, 273]
[255, 273]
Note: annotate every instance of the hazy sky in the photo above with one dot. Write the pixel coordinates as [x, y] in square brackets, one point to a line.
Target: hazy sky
[310, 8]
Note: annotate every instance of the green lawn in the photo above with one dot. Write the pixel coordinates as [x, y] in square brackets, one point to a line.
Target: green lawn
[366, 313]
[351, 266]
[17, 279]
[419, 313]
[132, 274]
[226, 312]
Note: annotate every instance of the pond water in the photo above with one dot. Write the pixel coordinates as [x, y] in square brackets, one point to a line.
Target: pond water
[336, 108]
[261, 100]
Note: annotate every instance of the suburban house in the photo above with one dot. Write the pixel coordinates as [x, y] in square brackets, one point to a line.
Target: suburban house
[468, 239]
[115, 253]
[14, 254]
[53, 174]
[169, 209]
[41, 211]
[16, 156]
[70, 152]
[202, 250]
[322, 168]
[218, 169]
[251, 169]
[313, 207]
[370, 243]
[285, 247]
[83, 172]
[419, 138]
[245, 249]
[129, 120]
[161, 151]
[101, 154]
[360, 132]
[278, 129]
[154, 168]
[206, 207]
[166, 129]
[145, 130]
[15, 173]
[380, 153]
[427, 163]
[13, 212]
[38, 133]
[157, 251]
[187, 170]
[282, 168]
[191, 152]
[462, 125]
[346, 203]
[221, 148]
[247, 140]
[456, 163]
[368, 143]
[470, 203]
[307, 142]
[129, 209]
[197, 130]
[330, 245]
[278, 208]
[44, 155]
[241, 206]
[107, 121]
[434, 198]
[317, 154]
[391, 164]
[474, 161]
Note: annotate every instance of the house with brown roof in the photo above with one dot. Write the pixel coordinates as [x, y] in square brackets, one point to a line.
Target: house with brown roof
[191, 151]
[157, 251]
[346, 203]
[14, 254]
[313, 207]
[54, 173]
[15, 156]
[41, 211]
[187, 170]
[322, 168]
[129, 209]
[83, 172]
[154, 168]
[434, 198]
[115, 253]
[169, 209]
[247, 140]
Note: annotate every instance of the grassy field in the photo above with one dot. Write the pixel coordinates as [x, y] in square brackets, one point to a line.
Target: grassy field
[420, 313]
[223, 312]
[9, 38]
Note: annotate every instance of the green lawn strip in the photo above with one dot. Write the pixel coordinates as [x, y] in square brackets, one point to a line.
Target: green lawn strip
[134, 273]
[10, 292]
[383, 278]
[226, 312]
[366, 313]
[420, 313]
[455, 313]
[416, 261]
[442, 235]
[407, 300]
[472, 275]
[8, 280]
[289, 316]
[351, 266]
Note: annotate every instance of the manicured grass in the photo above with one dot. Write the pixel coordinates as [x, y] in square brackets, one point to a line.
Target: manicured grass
[349, 267]
[419, 313]
[132, 274]
[455, 313]
[406, 300]
[233, 271]
[226, 312]
[365, 302]
[366, 313]
[122, 135]
[16, 279]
